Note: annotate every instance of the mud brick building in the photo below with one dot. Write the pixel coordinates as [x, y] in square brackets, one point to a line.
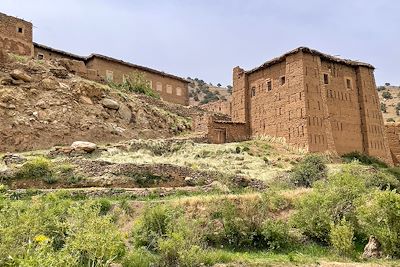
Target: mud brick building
[220, 106]
[16, 37]
[315, 101]
[393, 136]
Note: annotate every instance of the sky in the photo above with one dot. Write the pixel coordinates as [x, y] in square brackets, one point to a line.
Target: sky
[208, 38]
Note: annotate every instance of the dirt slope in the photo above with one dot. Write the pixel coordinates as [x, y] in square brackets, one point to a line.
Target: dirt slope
[54, 107]
[390, 103]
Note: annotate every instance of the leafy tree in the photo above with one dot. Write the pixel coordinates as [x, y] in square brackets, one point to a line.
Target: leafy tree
[383, 108]
[387, 84]
[219, 85]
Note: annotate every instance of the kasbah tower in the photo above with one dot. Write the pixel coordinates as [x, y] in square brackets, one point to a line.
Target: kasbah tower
[315, 101]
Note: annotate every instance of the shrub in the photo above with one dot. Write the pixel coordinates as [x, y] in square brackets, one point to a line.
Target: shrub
[276, 234]
[151, 226]
[364, 159]
[136, 82]
[390, 120]
[341, 237]
[383, 108]
[387, 95]
[37, 168]
[140, 258]
[331, 201]
[309, 170]
[379, 215]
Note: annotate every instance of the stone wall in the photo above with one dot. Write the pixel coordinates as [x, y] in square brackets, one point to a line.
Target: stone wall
[16, 35]
[220, 106]
[393, 136]
[220, 132]
[168, 88]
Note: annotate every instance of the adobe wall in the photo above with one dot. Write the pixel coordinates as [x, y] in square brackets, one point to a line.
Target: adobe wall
[240, 96]
[220, 106]
[393, 136]
[277, 108]
[102, 65]
[50, 54]
[11, 39]
[225, 131]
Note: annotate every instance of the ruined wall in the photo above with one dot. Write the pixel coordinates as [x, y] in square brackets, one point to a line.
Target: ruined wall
[220, 132]
[220, 106]
[393, 136]
[168, 88]
[15, 35]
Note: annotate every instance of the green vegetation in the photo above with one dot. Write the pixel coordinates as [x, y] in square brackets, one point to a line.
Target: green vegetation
[387, 95]
[136, 82]
[383, 108]
[312, 168]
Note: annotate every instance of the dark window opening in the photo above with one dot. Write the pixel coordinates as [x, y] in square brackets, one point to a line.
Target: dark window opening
[348, 83]
[283, 80]
[20, 30]
[40, 56]
[326, 79]
[253, 91]
[269, 85]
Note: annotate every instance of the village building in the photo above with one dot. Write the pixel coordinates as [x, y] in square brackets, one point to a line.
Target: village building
[314, 101]
[16, 37]
[220, 106]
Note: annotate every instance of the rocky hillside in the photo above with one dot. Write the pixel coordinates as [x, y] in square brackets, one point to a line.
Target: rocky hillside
[42, 105]
[390, 102]
[201, 92]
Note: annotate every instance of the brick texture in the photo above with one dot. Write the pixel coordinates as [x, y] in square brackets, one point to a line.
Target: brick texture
[16, 35]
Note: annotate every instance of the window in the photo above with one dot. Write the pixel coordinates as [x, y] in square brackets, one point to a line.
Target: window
[109, 75]
[269, 85]
[253, 91]
[282, 80]
[40, 56]
[326, 78]
[178, 91]
[159, 86]
[20, 30]
[169, 89]
[348, 83]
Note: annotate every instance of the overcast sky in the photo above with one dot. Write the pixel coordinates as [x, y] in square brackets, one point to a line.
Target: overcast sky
[207, 38]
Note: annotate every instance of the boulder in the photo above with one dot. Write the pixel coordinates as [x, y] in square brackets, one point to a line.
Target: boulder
[85, 100]
[13, 159]
[6, 80]
[109, 103]
[372, 249]
[84, 146]
[50, 84]
[125, 113]
[61, 73]
[20, 75]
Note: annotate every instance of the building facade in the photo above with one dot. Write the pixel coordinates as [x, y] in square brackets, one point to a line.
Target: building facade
[220, 106]
[315, 101]
[15, 35]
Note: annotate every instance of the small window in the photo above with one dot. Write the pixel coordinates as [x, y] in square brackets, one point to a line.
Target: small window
[109, 75]
[283, 80]
[178, 91]
[20, 30]
[40, 56]
[253, 91]
[169, 89]
[348, 84]
[159, 86]
[326, 78]
[269, 85]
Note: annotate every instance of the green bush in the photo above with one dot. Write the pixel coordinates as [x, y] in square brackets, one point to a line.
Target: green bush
[37, 168]
[330, 202]
[140, 258]
[387, 95]
[136, 82]
[341, 238]
[379, 215]
[364, 159]
[152, 225]
[309, 170]
[276, 234]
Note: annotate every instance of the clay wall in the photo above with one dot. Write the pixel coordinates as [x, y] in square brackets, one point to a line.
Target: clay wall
[393, 136]
[16, 35]
[239, 96]
[51, 54]
[220, 106]
[170, 89]
[225, 132]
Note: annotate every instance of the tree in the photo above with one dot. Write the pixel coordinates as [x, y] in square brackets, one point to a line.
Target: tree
[387, 84]
[387, 95]
[219, 85]
[383, 108]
